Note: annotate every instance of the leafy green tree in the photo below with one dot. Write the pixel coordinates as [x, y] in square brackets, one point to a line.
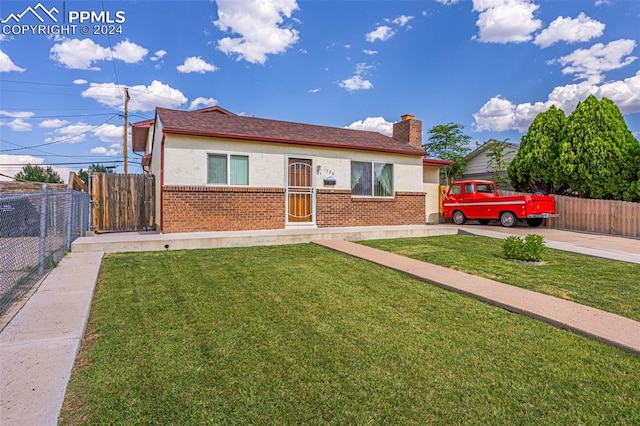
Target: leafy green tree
[93, 168]
[496, 162]
[533, 166]
[38, 174]
[598, 157]
[447, 142]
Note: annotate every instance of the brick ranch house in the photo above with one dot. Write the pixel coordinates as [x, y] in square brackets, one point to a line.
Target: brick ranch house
[217, 171]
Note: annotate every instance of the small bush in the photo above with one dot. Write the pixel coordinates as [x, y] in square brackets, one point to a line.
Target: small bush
[531, 249]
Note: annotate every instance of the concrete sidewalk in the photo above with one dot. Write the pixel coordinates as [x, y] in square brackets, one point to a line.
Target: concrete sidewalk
[38, 347]
[604, 326]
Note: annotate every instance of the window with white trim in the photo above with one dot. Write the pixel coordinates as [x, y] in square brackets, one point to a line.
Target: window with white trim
[226, 169]
[370, 179]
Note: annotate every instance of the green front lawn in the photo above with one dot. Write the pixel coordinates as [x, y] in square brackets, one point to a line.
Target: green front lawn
[303, 335]
[601, 283]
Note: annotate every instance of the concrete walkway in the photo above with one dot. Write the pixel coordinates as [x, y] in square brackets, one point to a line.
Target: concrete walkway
[600, 325]
[39, 345]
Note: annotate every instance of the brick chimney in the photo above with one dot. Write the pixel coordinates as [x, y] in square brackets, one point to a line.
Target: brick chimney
[409, 130]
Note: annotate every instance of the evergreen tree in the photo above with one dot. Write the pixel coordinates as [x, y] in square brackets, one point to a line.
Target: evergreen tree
[532, 168]
[38, 174]
[447, 142]
[598, 157]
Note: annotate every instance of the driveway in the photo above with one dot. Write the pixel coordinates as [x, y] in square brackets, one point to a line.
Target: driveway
[607, 246]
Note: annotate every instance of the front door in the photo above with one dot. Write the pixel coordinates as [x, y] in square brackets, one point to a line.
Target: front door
[300, 193]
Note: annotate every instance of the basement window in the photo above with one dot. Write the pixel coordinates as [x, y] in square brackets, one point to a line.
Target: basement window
[225, 169]
[369, 179]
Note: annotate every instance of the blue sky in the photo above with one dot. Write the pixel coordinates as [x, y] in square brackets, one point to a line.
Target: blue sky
[490, 65]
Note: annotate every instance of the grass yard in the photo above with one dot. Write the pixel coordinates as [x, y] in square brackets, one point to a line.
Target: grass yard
[601, 283]
[303, 335]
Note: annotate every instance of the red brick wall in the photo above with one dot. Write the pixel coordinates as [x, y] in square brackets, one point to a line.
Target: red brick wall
[205, 208]
[338, 208]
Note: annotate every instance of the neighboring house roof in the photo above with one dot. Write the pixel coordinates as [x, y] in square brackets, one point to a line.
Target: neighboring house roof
[473, 154]
[264, 130]
[436, 162]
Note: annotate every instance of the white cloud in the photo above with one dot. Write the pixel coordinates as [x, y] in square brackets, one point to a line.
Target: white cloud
[202, 103]
[402, 20]
[81, 54]
[260, 26]
[158, 55]
[18, 125]
[496, 115]
[129, 52]
[447, 2]
[316, 90]
[500, 114]
[625, 93]
[369, 52]
[80, 82]
[590, 64]
[72, 133]
[506, 21]
[303, 51]
[17, 114]
[143, 98]
[373, 124]
[53, 123]
[101, 150]
[602, 2]
[7, 65]
[196, 64]
[109, 133]
[383, 33]
[356, 82]
[570, 30]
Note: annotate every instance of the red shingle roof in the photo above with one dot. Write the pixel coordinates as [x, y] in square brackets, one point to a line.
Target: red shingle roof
[260, 129]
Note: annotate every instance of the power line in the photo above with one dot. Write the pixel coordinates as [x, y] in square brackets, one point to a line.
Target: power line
[70, 163]
[65, 116]
[38, 83]
[115, 71]
[61, 140]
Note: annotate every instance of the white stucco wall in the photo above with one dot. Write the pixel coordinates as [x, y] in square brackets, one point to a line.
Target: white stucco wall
[431, 184]
[155, 145]
[185, 162]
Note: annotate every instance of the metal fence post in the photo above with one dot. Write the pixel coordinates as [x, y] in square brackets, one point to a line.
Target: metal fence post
[69, 217]
[43, 229]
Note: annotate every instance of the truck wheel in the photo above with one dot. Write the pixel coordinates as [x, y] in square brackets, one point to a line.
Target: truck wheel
[534, 222]
[508, 219]
[484, 221]
[459, 218]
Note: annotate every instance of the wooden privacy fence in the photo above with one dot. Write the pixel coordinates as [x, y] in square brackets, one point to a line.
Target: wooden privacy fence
[600, 216]
[122, 202]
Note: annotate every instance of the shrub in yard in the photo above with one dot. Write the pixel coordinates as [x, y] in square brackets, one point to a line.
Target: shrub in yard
[531, 249]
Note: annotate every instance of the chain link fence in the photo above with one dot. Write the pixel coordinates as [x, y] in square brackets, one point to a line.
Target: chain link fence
[36, 229]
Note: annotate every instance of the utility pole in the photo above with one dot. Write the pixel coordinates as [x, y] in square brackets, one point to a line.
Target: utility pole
[126, 124]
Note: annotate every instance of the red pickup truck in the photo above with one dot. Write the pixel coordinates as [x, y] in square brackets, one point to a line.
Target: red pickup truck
[479, 199]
